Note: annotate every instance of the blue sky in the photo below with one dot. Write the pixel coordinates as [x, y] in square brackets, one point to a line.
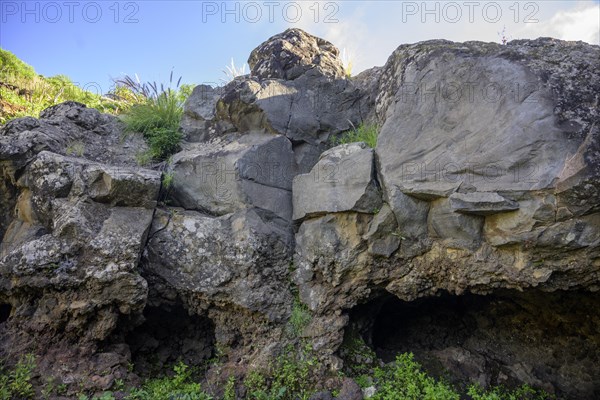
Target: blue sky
[94, 41]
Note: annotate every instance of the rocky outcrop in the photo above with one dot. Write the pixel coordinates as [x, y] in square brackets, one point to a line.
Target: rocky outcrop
[482, 190]
[72, 244]
[293, 53]
[476, 158]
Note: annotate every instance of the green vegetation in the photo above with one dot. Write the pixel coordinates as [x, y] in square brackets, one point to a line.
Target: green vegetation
[147, 108]
[359, 358]
[405, 381]
[524, 392]
[299, 318]
[17, 383]
[179, 386]
[363, 133]
[156, 115]
[25, 93]
[230, 389]
[291, 377]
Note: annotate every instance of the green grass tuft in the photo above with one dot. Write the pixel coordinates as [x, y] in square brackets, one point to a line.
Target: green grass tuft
[363, 133]
[157, 116]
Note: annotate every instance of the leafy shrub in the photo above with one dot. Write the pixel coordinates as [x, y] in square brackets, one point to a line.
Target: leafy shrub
[291, 377]
[363, 133]
[299, 318]
[524, 392]
[157, 116]
[179, 386]
[404, 380]
[17, 383]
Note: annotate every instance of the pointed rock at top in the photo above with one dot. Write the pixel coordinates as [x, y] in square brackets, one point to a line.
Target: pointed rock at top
[292, 53]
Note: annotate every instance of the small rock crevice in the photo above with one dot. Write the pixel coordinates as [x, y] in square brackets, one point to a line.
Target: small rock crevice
[5, 310]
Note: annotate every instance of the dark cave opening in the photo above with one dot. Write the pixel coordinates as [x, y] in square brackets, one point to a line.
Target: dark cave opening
[5, 310]
[168, 335]
[547, 340]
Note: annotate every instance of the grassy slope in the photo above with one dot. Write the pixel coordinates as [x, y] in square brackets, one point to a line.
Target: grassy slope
[23, 92]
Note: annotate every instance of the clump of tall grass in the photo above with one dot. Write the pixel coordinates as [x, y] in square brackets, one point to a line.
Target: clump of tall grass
[366, 133]
[155, 113]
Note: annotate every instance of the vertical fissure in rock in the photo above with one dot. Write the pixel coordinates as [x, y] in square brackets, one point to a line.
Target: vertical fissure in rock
[5, 310]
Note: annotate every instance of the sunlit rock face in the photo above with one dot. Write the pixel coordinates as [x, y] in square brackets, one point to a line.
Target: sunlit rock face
[488, 160]
[472, 228]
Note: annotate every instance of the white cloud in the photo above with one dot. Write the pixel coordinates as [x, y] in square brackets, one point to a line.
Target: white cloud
[370, 31]
[580, 23]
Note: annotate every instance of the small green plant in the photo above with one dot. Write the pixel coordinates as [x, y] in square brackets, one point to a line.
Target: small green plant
[256, 385]
[167, 179]
[291, 377]
[180, 386]
[359, 359]
[347, 62]
[17, 383]
[229, 389]
[299, 318]
[524, 392]
[232, 71]
[404, 380]
[76, 148]
[119, 385]
[366, 133]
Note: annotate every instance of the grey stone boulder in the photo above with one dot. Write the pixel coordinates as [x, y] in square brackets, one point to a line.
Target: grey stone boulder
[293, 53]
[383, 235]
[76, 210]
[69, 128]
[221, 177]
[342, 180]
[297, 88]
[350, 390]
[411, 213]
[240, 259]
[456, 230]
[198, 122]
[481, 203]
[309, 109]
[500, 118]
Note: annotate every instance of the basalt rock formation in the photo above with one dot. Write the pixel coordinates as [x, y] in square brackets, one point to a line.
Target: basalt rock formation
[469, 236]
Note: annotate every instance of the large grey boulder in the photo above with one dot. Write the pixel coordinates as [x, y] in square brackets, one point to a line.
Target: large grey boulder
[198, 122]
[238, 259]
[342, 180]
[297, 88]
[220, 177]
[293, 53]
[72, 233]
[499, 118]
